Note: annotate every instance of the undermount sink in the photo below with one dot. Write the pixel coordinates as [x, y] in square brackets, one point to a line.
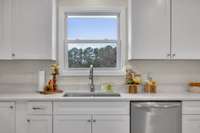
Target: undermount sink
[91, 94]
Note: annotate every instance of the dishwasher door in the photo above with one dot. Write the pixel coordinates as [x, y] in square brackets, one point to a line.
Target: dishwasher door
[155, 117]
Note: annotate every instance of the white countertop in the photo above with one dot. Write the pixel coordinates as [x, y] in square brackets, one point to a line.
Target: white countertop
[124, 97]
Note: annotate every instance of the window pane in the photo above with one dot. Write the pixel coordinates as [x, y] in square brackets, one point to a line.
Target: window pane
[100, 55]
[92, 27]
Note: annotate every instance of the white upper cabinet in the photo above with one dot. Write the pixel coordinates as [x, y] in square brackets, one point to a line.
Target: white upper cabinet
[28, 29]
[149, 29]
[5, 19]
[33, 38]
[186, 29]
[164, 29]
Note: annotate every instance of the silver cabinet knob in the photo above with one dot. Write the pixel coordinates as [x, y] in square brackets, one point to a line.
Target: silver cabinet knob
[28, 120]
[173, 56]
[11, 107]
[93, 120]
[13, 54]
[89, 120]
[168, 56]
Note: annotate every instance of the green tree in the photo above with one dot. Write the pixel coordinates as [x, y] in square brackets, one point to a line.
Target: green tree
[99, 57]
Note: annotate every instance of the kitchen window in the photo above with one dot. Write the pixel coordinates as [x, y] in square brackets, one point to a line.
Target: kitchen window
[90, 38]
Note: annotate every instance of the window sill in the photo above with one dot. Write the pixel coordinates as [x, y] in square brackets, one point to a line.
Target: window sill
[96, 73]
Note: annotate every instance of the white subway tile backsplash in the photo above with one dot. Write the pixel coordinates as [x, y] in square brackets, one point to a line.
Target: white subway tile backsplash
[172, 76]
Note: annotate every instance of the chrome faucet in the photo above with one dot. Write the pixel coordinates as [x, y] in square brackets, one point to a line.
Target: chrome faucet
[91, 78]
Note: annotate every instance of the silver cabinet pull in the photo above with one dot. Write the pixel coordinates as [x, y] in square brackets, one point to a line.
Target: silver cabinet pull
[28, 120]
[37, 108]
[93, 120]
[11, 107]
[89, 120]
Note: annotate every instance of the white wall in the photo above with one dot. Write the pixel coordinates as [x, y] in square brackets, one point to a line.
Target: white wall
[172, 76]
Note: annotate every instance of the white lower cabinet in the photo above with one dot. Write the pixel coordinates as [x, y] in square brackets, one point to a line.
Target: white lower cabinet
[39, 124]
[91, 117]
[7, 117]
[110, 124]
[191, 123]
[72, 124]
[39, 117]
[65, 117]
[91, 124]
[191, 117]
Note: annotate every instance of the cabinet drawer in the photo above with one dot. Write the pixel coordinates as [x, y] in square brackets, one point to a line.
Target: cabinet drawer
[7, 105]
[39, 108]
[91, 108]
[191, 107]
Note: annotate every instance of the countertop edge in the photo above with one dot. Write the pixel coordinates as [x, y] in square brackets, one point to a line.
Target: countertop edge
[124, 97]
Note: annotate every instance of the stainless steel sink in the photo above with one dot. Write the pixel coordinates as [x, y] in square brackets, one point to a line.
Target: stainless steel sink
[91, 94]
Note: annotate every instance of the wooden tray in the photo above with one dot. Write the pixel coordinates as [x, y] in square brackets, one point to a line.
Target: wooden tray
[50, 92]
[194, 89]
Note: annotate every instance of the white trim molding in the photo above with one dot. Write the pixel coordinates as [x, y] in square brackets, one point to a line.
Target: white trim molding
[119, 70]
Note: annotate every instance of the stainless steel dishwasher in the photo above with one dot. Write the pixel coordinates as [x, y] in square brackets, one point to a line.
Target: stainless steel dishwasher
[155, 117]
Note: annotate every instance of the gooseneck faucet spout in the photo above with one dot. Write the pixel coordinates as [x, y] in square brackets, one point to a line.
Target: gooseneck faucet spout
[91, 78]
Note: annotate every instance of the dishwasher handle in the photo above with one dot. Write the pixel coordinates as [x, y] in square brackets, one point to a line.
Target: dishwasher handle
[158, 106]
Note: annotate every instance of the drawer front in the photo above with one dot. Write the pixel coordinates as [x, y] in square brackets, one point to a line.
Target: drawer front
[39, 108]
[91, 108]
[10, 105]
[191, 107]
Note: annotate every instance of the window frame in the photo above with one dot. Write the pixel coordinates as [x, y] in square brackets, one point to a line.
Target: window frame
[63, 58]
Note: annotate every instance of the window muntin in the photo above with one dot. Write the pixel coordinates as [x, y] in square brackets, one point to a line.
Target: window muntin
[92, 39]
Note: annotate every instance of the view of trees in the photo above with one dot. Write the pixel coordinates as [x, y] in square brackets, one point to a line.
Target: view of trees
[99, 57]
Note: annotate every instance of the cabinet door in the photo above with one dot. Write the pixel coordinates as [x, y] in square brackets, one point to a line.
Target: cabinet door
[72, 124]
[191, 124]
[5, 23]
[33, 29]
[39, 124]
[149, 29]
[110, 124]
[7, 117]
[186, 29]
